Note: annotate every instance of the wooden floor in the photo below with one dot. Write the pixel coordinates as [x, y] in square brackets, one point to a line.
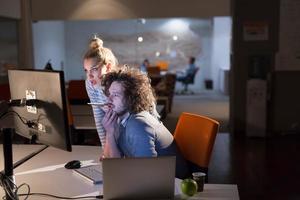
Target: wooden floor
[262, 168]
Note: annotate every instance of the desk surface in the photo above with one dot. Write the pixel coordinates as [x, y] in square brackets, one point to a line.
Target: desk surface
[19, 152]
[45, 173]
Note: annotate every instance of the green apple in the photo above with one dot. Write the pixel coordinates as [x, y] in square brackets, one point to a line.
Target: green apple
[189, 187]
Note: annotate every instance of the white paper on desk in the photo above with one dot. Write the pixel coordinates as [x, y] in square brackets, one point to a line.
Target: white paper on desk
[177, 189]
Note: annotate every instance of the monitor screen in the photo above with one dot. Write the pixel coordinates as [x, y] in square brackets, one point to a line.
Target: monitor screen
[47, 120]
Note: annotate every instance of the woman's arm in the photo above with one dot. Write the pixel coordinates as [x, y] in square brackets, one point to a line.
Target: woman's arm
[96, 95]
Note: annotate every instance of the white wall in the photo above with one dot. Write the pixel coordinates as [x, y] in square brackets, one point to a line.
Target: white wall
[221, 52]
[78, 34]
[49, 43]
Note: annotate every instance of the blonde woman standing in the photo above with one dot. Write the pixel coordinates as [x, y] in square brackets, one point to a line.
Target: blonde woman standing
[98, 61]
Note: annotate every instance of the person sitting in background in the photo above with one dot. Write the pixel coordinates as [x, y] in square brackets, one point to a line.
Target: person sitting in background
[145, 65]
[190, 70]
[132, 131]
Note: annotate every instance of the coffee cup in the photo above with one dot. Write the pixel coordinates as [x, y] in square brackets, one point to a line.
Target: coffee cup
[199, 177]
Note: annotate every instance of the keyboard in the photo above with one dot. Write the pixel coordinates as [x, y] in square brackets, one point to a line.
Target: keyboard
[92, 173]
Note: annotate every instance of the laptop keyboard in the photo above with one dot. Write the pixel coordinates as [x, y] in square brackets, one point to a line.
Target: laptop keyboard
[91, 173]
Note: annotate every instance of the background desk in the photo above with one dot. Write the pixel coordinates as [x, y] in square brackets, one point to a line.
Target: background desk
[84, 119]
[45, 173]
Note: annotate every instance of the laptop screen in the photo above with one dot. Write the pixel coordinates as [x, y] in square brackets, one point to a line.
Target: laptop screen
[139, 178]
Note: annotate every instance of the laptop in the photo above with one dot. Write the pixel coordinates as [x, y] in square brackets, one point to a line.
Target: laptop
[139, 178]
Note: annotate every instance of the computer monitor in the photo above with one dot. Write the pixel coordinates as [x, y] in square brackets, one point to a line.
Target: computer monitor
[47, 120]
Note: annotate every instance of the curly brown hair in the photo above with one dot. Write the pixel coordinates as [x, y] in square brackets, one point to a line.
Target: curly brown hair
[138, 92]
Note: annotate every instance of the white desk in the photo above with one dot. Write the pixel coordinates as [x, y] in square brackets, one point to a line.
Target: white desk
[84, 122]
[45, 173]
[83, 117]
[19, 152]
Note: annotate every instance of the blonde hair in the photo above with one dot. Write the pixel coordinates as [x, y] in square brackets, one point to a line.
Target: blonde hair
[101, 54]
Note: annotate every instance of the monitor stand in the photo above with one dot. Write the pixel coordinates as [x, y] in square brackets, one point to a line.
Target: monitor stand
[8, 177]
[8, 162]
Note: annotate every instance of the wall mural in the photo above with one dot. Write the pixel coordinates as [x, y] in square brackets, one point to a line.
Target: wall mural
[173, 41]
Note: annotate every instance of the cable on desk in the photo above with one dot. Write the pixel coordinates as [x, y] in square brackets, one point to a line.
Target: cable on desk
[11, 189]
[61, 197]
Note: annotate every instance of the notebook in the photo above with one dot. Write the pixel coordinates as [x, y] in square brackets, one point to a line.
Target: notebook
[139, 178]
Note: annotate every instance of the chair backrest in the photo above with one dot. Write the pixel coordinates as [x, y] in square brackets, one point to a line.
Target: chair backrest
[166, 88]
[162, 64]
[195, 136]
[191, 76]
[5, 92]
[77, 92]
[153, 70]
[70, 115]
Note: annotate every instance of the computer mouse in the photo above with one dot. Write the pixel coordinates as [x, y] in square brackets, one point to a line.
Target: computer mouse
[74, 164]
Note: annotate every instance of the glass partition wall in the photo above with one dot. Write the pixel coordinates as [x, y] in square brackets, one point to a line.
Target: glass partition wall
[165, 42]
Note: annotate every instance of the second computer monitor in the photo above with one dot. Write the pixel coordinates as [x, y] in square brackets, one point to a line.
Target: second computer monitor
[47, 121]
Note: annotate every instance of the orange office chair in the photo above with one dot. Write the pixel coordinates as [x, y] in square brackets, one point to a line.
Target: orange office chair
[162, 64]
[195, 136]
[153, 71]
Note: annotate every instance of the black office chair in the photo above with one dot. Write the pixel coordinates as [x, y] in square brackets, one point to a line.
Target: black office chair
[188, 79]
